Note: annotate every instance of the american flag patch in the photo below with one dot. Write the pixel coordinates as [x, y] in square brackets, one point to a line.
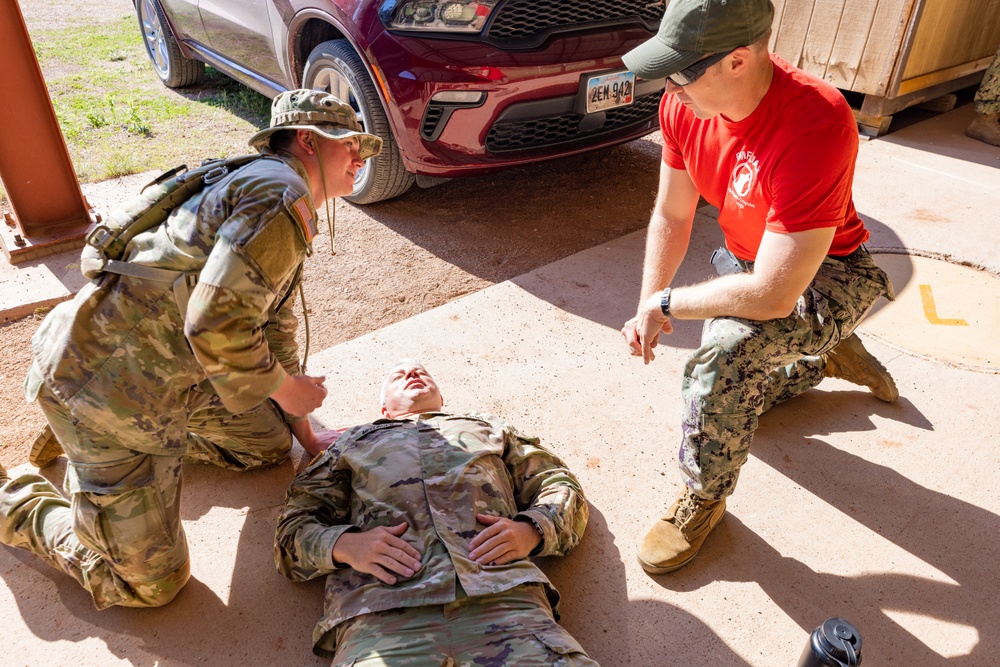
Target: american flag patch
[305, 217]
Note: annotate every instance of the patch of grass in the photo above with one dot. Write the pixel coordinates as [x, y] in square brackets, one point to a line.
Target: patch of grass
[242, 101]
[119, 163]
[116, 116]
[125, 115]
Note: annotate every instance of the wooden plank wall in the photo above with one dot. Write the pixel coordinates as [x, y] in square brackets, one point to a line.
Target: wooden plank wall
[882, 51]
[952, 33]
[853, 44]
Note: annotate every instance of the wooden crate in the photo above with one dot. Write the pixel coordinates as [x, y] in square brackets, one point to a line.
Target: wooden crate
[897, 53]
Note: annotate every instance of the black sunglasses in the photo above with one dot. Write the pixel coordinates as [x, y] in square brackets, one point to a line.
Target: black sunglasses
[691, 74]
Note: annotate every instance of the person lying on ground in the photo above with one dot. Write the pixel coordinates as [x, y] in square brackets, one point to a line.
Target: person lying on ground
[423, 523]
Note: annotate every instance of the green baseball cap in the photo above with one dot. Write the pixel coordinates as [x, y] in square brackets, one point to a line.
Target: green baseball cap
[319, 112]
[692, 29]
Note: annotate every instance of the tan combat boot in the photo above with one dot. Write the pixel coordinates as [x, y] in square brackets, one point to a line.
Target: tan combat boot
[852, 362]
[45, 449]
[676, 538]
[985, 128]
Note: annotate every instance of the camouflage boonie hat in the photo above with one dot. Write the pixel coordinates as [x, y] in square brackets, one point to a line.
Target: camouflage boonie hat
[320, 112]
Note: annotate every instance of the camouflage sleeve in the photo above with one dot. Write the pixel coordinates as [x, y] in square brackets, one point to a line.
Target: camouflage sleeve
[280, 333]
[248, 267]
[315, 515]
[281, 330]
[546, 492]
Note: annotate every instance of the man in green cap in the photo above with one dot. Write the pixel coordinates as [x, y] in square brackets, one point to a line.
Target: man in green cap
[132, 386]
[773, 148]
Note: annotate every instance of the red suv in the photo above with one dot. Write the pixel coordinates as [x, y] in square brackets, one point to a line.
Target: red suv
[454, 87]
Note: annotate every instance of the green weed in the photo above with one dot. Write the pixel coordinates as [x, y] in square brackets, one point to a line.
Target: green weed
[119, 163]
[240, 100]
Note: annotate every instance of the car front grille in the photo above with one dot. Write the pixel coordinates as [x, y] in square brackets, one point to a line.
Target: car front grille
[520, 20]
[539, 132]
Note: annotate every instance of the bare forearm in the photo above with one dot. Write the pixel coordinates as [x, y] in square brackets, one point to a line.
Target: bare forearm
[303, 432]
[738, 295]
[666, 245]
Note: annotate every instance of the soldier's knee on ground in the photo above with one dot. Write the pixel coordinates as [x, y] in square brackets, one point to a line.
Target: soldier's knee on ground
[162, 591]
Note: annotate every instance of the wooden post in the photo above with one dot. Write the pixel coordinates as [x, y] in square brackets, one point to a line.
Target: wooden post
[50, 212]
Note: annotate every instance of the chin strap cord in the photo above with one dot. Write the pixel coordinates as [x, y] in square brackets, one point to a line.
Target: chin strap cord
[305, 320]
[326, 199]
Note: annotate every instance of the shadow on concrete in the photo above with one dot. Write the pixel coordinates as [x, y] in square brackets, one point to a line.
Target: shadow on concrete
[942, 136]
[568, 285]
[615, 630]
[561, 206]
[939, 529]
[885, 240]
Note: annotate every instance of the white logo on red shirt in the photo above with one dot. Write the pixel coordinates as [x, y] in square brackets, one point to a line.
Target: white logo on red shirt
[744, 178]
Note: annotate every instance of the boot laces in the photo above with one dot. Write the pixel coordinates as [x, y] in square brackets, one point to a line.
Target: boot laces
[688, 509]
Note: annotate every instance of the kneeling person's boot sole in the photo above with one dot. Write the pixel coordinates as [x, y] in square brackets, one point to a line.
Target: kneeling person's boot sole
[678, 537]
[45, 449]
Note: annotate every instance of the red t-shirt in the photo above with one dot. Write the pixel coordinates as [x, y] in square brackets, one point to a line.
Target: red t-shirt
[787, 167]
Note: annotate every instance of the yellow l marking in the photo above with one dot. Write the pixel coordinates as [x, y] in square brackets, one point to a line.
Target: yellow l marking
[930, 310]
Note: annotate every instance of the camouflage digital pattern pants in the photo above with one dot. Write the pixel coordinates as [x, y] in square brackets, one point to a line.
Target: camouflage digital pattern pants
[745, 367]
[120, 534]
[988, 95]
[515, 627]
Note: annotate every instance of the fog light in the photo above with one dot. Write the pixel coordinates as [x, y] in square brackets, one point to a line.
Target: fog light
[459, 96]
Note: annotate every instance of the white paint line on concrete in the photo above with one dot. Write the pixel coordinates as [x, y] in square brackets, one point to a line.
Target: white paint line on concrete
[948, 174]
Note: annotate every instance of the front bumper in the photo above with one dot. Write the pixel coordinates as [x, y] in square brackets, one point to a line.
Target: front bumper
[532, 108]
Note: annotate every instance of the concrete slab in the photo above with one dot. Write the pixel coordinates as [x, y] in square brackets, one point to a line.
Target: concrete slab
[41, 283]
[885, 515]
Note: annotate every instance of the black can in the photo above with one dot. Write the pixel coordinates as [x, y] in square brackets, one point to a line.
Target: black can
[836, 643]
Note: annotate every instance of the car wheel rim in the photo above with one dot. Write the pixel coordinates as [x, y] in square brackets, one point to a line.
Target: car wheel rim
[338, 85]
[152, 32]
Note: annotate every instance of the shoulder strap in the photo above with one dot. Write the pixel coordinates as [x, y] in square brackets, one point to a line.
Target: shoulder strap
[107, 240]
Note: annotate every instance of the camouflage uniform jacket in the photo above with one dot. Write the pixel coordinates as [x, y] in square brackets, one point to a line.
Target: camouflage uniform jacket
[436, 474]
[121, 355]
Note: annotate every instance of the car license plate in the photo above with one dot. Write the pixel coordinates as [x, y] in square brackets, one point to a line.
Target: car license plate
[609, 91]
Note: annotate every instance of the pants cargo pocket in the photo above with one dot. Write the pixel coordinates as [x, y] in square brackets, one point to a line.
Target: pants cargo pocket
[119, 513]
[567, 651]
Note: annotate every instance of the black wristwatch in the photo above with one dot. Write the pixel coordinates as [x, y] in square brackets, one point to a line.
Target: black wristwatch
[665, 302]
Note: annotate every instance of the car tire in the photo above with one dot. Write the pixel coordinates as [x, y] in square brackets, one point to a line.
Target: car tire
[174, 70]
[335, 67]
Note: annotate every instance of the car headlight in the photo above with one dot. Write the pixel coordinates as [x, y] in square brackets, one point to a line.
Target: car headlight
[467, 16]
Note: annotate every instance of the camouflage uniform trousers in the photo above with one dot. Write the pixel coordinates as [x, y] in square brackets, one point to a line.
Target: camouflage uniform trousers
[745, 367]
[120, 534]
[515, 627]
[988, 95]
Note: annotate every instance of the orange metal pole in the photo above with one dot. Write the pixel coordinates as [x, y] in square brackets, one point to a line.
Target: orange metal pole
[50, 212]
